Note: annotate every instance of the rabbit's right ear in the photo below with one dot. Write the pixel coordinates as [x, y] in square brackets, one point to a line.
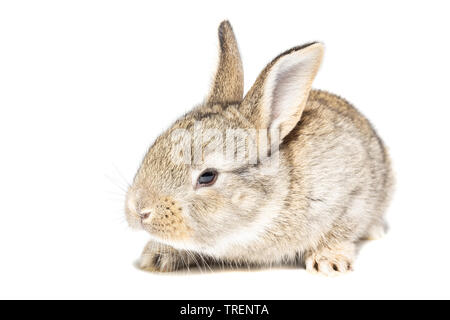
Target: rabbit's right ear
[278, 97]
[228, 84]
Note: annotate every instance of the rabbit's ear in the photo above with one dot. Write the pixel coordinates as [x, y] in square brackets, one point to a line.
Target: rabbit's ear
[279, 95]
[228, 84]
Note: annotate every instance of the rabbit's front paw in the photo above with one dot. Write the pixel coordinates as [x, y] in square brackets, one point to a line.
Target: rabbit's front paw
[331, 261]
[160, 258]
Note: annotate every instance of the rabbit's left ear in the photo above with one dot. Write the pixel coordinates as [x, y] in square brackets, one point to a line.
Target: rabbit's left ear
[278, 97]
[228, 84]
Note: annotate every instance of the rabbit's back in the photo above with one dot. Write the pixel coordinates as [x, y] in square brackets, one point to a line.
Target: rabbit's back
[341, 171]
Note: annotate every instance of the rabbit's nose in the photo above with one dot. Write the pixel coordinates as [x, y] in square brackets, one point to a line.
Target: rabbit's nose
[145, 213]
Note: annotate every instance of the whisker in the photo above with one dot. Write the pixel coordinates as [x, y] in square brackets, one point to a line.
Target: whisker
[116, 183]
[122, 176]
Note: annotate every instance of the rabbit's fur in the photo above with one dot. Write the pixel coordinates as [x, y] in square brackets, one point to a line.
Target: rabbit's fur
[330, 188]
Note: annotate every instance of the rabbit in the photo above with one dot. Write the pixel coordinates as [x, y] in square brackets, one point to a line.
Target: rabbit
[328, 189]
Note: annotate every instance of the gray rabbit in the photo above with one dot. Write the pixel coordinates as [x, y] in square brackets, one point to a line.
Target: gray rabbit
[329, 188]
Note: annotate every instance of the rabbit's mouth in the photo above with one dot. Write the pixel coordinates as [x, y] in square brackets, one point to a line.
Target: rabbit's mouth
[162, 218]
[169, 230]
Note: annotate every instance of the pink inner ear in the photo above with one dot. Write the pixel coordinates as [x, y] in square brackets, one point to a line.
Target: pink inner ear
[287, 90]
[282, 89]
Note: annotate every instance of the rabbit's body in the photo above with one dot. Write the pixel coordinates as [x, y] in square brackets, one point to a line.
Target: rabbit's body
[329, 189]
[340, 182]
[339, 186]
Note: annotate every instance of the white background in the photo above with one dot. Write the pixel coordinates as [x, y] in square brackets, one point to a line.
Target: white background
[86, 86]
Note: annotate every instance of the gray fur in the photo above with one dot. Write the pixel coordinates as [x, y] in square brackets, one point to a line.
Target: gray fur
[330, 190]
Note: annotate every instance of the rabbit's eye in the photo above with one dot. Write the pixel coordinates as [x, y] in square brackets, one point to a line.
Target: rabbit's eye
[207, 178]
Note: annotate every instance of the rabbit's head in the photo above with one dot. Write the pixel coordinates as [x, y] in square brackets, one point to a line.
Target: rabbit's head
[219, 176]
